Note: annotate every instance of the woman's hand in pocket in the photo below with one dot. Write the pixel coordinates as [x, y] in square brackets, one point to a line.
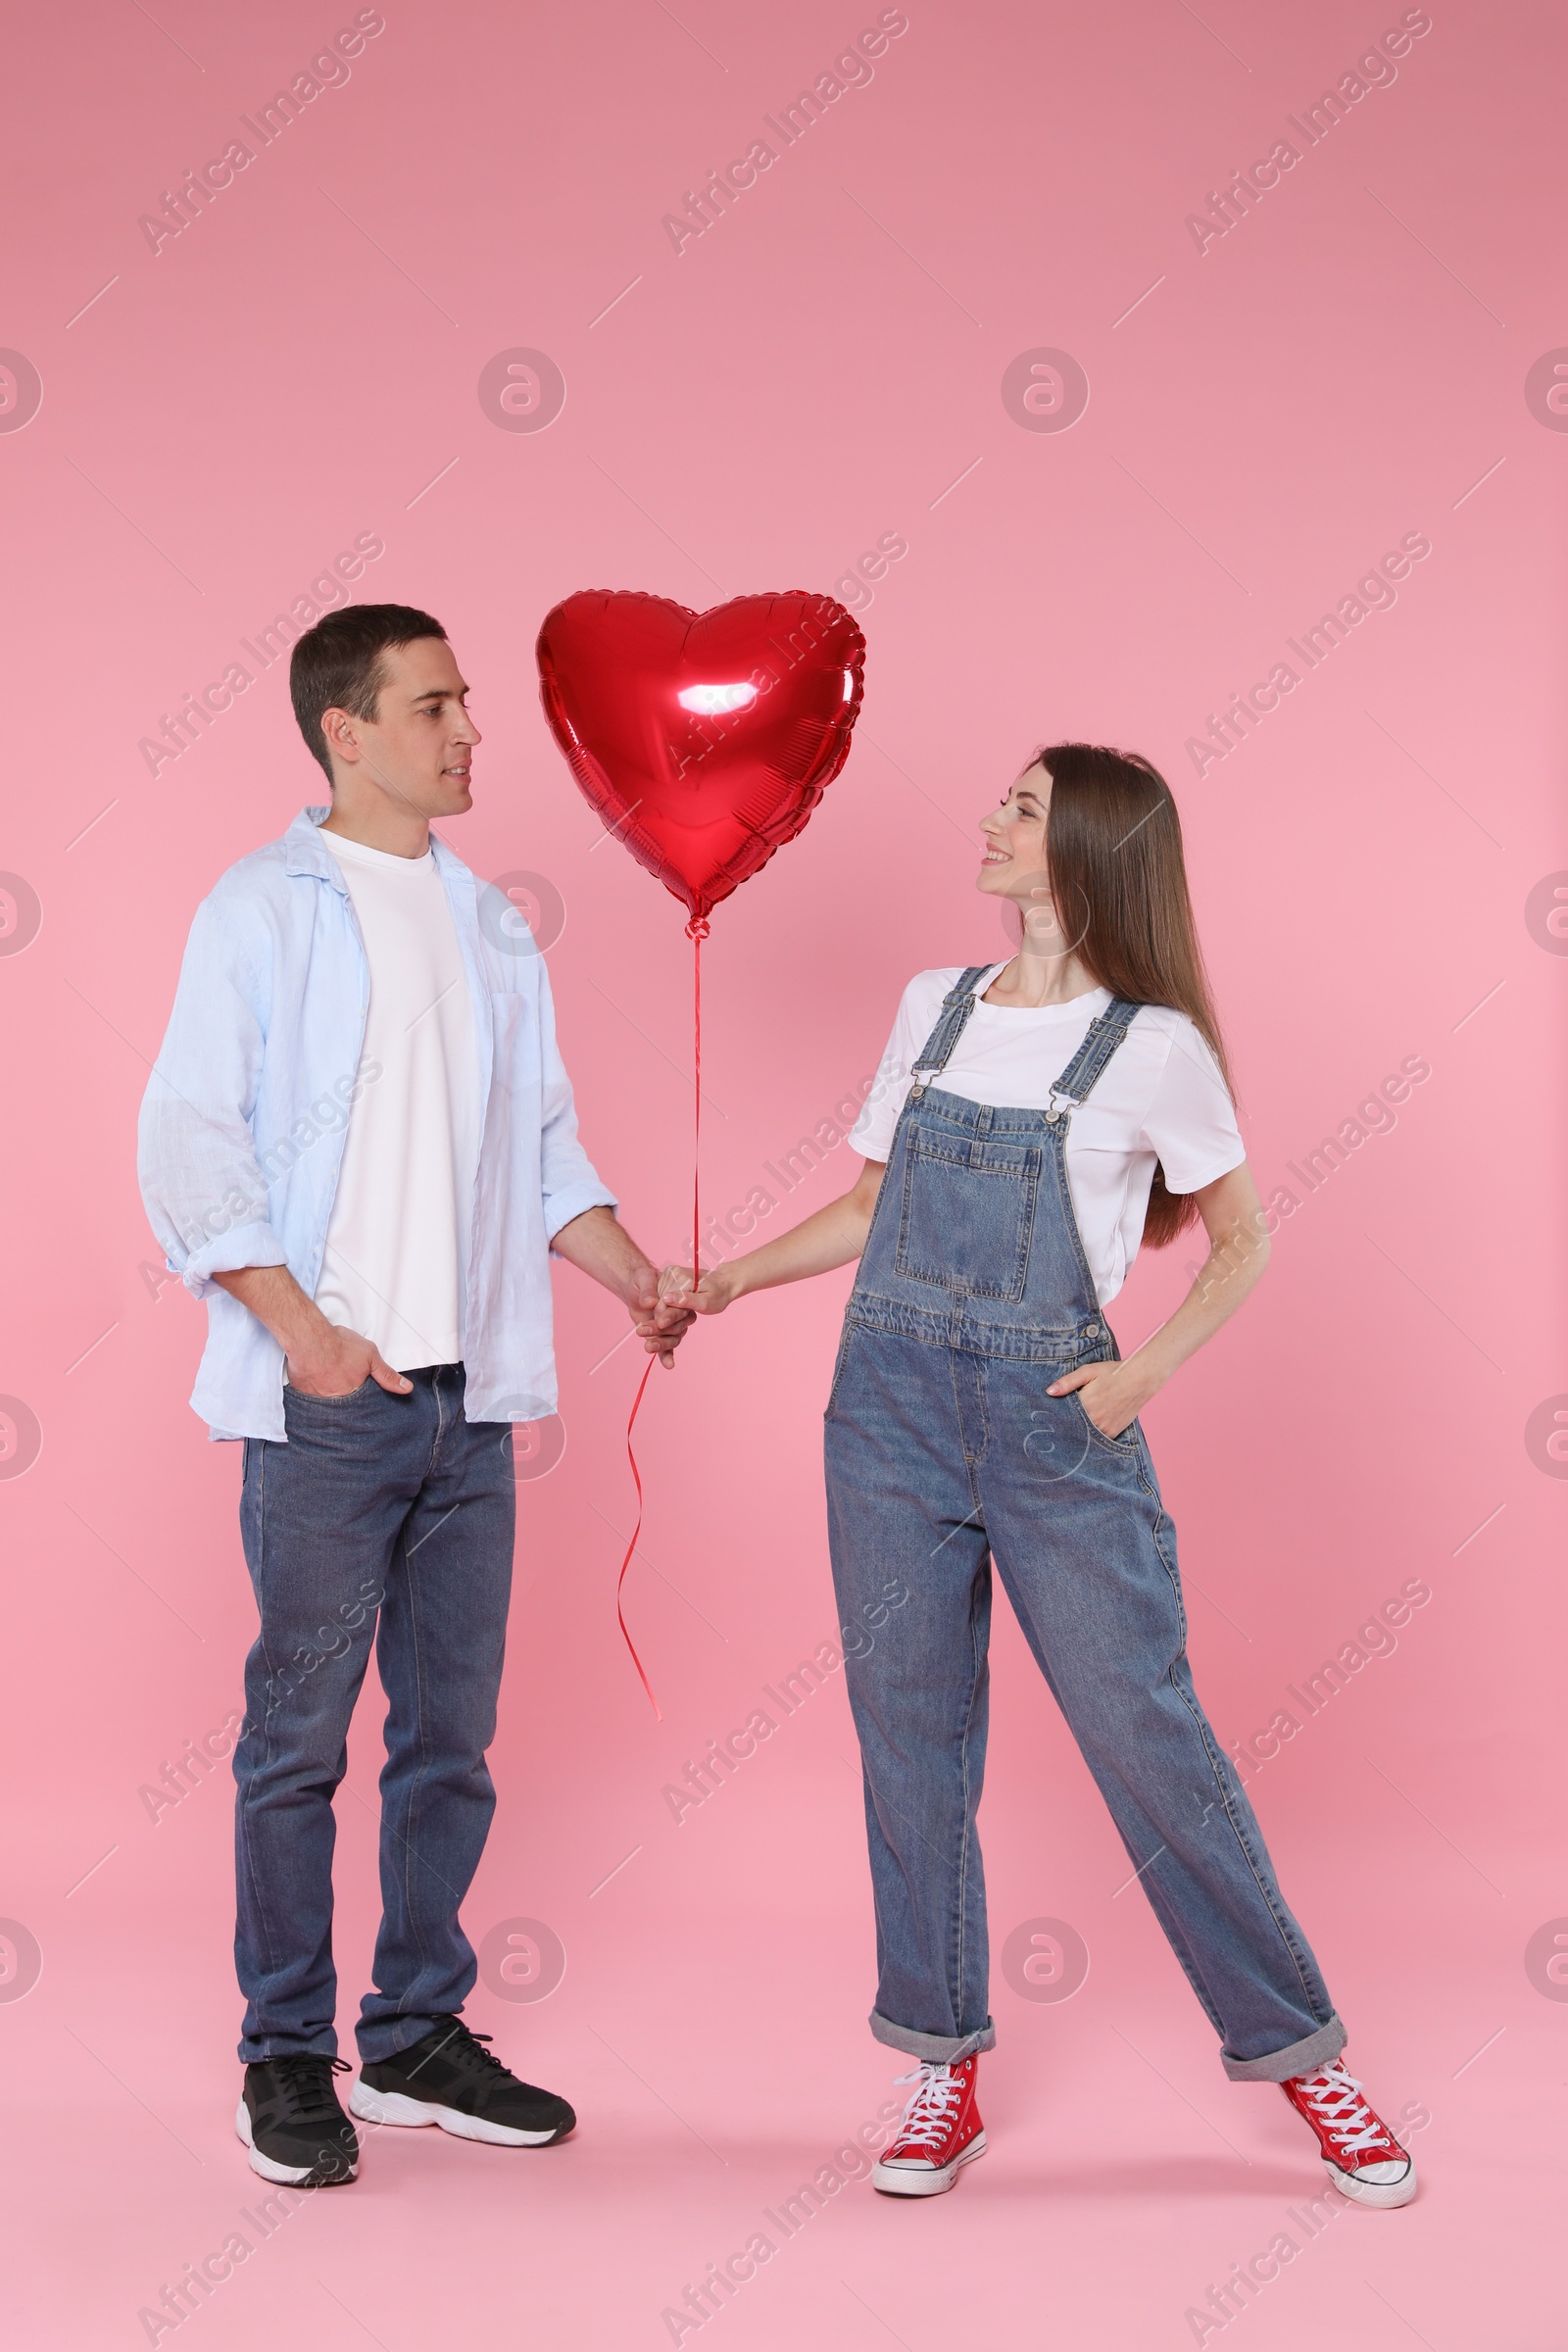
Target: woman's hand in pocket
[1112, 1394]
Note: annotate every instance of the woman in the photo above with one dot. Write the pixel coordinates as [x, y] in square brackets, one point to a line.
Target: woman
[1031, 1123]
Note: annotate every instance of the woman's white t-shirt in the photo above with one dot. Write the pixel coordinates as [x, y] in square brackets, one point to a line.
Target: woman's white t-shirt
[1159, 1097]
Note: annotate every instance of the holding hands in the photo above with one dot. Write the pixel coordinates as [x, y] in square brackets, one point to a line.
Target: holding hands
[719, 1285]
[660, 1310]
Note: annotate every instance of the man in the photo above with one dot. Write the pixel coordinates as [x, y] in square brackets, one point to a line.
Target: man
[360, 1147]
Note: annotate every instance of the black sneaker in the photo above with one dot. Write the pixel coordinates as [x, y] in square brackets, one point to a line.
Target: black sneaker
[452, 2079]
[290, 2120]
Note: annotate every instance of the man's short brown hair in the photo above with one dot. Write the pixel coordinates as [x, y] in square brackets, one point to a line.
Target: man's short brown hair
[338, 665]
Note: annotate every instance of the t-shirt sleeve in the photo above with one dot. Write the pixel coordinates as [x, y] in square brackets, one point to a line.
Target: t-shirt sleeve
[872, 1132]
[1191, 1121]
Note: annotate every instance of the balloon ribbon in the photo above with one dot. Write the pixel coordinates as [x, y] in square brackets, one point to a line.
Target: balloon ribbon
[696, 932]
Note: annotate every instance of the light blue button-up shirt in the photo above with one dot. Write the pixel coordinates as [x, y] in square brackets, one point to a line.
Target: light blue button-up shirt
[242, 1127]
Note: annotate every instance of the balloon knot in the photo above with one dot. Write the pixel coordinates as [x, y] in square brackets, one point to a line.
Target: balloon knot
[697, 928]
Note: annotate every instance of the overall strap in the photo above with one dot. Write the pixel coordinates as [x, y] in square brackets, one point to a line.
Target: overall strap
[956, 1007]
[1106, 1032]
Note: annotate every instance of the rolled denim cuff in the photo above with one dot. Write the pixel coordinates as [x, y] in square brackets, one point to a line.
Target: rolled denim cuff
[941, 2049]
[1297, 2058]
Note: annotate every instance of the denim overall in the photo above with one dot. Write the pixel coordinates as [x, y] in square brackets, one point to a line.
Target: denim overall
[944, 1454]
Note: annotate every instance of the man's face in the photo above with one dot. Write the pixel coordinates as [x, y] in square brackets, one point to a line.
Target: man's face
[418, 749]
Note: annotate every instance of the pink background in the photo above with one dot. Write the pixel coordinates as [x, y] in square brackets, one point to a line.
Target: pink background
[1346, 365]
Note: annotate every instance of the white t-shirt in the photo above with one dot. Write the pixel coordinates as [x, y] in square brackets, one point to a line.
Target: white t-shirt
[397, 1241]
[1159, 1097]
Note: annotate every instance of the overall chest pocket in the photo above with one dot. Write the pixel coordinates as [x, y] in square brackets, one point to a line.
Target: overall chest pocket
[968, 1214]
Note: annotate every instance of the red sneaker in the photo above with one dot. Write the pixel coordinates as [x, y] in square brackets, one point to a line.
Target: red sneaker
[1362, 2155]
[940, 2129]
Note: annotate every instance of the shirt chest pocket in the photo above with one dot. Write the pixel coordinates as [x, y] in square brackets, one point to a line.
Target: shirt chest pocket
[967, 1213]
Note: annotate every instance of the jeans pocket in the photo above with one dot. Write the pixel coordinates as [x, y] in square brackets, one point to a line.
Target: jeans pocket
[838, 1369]
[349, 1396]
[968, 1214]
[1127, 1443]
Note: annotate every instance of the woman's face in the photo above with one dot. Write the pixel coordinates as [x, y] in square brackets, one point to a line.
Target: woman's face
[1014, 865]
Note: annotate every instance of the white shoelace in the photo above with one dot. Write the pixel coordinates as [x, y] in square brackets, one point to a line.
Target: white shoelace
[1335, 2093]
[930, 2111]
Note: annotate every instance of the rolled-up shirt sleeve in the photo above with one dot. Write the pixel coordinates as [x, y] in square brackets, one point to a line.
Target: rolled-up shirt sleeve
[568, 1181]
[202, 1185]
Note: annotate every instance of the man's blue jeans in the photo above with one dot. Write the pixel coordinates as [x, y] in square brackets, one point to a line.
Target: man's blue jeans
[389, 1517]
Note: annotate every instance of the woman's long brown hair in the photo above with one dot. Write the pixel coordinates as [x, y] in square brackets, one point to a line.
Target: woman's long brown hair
[1114, 842]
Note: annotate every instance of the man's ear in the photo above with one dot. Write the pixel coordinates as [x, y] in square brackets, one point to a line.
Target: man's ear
[340, 733]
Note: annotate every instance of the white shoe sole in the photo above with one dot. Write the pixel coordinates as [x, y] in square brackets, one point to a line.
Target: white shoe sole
[396, 2107]
[1383, 2193]
[913, 2180]
[283, 2175]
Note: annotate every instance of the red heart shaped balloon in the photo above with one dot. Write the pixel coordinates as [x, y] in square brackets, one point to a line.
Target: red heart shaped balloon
[705, 740]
